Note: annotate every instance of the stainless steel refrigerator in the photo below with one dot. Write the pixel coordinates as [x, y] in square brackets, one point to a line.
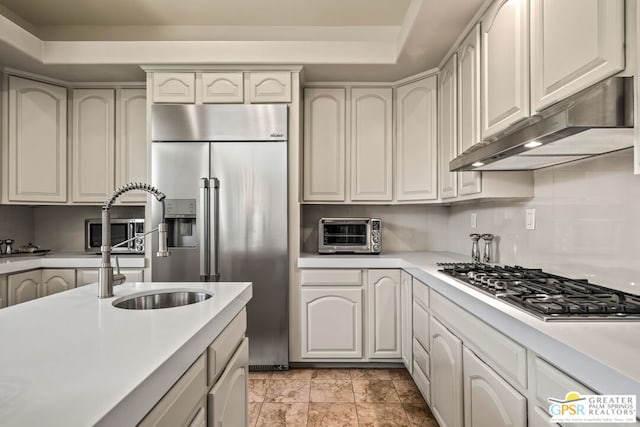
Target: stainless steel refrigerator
[224, 171]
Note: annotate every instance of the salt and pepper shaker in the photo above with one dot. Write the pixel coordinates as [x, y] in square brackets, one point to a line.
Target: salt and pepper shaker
[486, 256]
[8, 248]
[475, 250]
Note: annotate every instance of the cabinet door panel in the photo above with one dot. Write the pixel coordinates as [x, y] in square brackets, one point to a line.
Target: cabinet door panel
[229, 398]
[469, 107]
[222, 87]
[324, 144]
[331, 323]
[174, 87]
[489, 401]
[57, 280]
[574, 44]
[23, 287]
[406, 307]
[416, 141]
[37, 149]
[93, 144]
[446, 376]
[505, 59]
[270, 87]
[131, 143]
[371, 140]
[448, 141]
[383, 310]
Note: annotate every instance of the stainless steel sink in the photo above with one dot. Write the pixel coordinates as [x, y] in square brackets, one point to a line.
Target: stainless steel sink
[153, 300]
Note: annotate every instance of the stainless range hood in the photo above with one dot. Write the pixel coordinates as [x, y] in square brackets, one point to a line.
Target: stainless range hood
[597, 120]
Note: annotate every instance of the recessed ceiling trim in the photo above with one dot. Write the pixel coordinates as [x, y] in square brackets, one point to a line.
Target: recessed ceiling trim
[214, 52]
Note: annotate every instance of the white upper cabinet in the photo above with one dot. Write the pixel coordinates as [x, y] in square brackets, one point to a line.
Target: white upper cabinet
[174, 87]
[574, 44]
[469, 107]
[131, 142]
[324, 144]
[416, 141]
[93, 146]
[505, 65]
[37, 144]
[270, 87]
[222, 88]
[447, 145]
[371, 144]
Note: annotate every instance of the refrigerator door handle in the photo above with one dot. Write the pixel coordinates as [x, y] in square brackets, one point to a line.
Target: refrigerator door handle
[203, 220]
[214, 183]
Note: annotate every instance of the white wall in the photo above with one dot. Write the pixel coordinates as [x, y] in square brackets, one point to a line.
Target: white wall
[404, 228]
[587, 223]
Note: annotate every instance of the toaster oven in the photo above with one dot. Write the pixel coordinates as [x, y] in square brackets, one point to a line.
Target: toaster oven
[349, 235]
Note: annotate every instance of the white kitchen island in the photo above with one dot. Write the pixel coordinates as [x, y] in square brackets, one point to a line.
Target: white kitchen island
[72, 359]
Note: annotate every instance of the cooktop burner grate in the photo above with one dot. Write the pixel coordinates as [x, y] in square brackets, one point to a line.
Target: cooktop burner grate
[547, 296]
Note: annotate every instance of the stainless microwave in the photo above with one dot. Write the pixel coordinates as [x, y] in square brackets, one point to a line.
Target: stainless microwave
[121, 229]
[349, 236]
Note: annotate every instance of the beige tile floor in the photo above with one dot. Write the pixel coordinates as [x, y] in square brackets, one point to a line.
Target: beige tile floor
[336, 398]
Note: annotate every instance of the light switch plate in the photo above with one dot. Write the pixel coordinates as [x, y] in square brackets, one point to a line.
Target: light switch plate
[530, 219]
[474, 220]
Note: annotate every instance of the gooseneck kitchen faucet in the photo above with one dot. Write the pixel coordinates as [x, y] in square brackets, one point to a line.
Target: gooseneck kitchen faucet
[106, 277]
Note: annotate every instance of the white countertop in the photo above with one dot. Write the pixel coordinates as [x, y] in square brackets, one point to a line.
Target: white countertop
[65, 260]
[72, 359]
[602, 354]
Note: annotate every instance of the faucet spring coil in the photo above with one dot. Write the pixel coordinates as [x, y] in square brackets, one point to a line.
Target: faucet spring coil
[133, 186]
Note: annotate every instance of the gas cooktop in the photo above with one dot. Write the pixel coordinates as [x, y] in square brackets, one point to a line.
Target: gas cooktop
[547, 296]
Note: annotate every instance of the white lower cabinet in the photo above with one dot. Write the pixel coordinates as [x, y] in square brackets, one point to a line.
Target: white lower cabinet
[406, 307]
[489, 401]
[3, 291]
[383, 308]
[446, 376]
[57, 280]
[23, 287]
[331, 323]
[229, 400]
[194, 401]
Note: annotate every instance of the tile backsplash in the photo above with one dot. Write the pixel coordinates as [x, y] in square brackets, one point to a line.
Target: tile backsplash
[587, 223]
[16, 223]
[61, 228]
[404, 228]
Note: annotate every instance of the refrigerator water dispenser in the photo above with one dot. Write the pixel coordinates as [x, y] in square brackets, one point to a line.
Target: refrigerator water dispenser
[180, 216]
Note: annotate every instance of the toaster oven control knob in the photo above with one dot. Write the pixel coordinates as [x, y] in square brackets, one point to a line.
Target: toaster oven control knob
[376, 248]
[139, 248]
[376, 239]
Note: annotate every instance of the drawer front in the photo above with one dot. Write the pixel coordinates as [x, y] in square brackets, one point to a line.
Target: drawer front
[421, 358]
[423, 383]
[421, 325]
[221, 350]
[331, 278]
[552, 382]
[177, 406]
[503, 354]
[421, 293]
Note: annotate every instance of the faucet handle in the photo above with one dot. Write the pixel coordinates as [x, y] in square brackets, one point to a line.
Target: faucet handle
[117, 265]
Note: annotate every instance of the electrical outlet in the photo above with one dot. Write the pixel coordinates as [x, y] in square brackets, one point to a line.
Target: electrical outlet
[530, 219]
[474, 220]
